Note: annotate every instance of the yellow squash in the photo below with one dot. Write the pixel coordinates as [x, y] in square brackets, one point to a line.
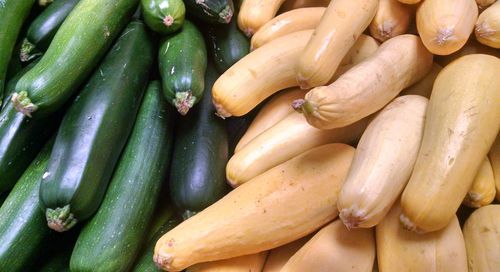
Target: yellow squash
[482, 239]
[471, 47]
[283, 141]
[335, 248]
[482, 192]
[280, 206]
[295, 4]
[494, 156]
[445, 25]
[488, 26]
[278, 257]
[424, 86]
[392, 19]
[246, 263]
[401, 250]
[383, 162]
[255, 13]
[286, 23]
[339, 28]
[461, 125]
[368, 86]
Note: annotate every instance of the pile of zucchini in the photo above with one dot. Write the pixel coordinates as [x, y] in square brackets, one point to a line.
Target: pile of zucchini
[108, 134]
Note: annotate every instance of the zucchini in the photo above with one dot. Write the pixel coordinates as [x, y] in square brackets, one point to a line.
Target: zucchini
[44, 27]
[183, 61]
[56, 257]
[22, 228]
[227, 45]
[12, 15]
[11, 84]
[94, 131]
[197, 177]
[132, 194]
[77, 47]
[163, 16]
[212, 11]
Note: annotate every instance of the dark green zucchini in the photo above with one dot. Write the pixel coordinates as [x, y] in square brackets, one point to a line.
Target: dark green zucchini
[95, 130]
[198, 177]
[12, 16]
[132, 194]
[55, 257]
[227, 45]
[44, 27]
[22, 225]
[212, 11]
[81, 41]
[183, 62]
[163, 16]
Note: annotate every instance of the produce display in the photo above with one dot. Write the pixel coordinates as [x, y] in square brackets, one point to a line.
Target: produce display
[249, 135]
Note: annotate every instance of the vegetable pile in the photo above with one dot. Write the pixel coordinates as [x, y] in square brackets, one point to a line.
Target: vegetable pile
[254, 135]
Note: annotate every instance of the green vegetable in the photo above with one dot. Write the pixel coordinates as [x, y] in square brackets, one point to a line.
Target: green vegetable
[212, 11]
[163, 16]
[11, 85]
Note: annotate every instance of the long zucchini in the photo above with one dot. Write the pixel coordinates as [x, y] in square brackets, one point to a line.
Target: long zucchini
[43, 29]
[212, 11]
[12, 15]
[79, 44]
[94, 131]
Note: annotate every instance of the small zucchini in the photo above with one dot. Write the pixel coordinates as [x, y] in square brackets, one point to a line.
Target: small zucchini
[163, 16]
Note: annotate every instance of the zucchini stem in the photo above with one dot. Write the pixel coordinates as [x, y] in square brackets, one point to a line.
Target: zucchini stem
[184, 101]
[23, 104]
[226, 14]
[44, 3]
[60, 219]
[168, 20]
[27, 49]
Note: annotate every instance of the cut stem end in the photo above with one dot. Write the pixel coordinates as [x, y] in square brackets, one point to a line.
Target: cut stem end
[22, 103]
[184, 101]
[60, 219]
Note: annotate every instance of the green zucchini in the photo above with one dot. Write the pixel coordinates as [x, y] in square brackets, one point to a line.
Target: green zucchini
[212, 11]
[22, 225]
[227, 45]
[56, 257]
[44, 27]
[131, 197]
[163, 16]
[197, 176]
[11, 85]
[12, 16]
[81, 41]
[183, 62]
[95, 129]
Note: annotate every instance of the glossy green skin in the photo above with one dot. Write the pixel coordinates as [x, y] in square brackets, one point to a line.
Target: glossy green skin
[227, 45]
[112, 239]
[11, 85]
[23, 230]
[145, 261]
[212, 11]
[198, 176]
[183, 62]
[78, 46]
[95, 128]
[12, 15]
[155, 12]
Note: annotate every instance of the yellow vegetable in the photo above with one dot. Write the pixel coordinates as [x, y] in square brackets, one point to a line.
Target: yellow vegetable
[255, 13]
[286, 23]
[488, 26]
[283, 141]
[424, 86]
[278, 257]
[339, 28]
[295, 4]
[383, 162]
[401, 250]
[494, 156]
[409, 1]
[484, 3]
[445, 25]
[461, 125]
[482, 191]
[368, 86]
[281, 205]
[482, 239]
[335, 248]
[392, 19]
[246, 263]
[471, 47]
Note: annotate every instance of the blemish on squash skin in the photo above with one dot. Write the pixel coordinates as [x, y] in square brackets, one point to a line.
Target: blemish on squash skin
[171, 243]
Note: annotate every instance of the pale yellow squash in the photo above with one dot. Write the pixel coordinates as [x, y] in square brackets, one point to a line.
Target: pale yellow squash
[488, 26]
[471, 47]
[280, 206]
[246, 263]
[335, 248]
[424, 86]
[368, 86]
[484, 3]
[339, 28]
[278, 257]
[383, 162]
[255, 13]
[461, 125]
[482, 192]
[392, 19]
[494, 156]
[295, 4]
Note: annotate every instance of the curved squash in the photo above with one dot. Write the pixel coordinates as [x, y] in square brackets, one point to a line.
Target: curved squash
[392, 19]
[424, 86]
[255, 13]
[488, 26]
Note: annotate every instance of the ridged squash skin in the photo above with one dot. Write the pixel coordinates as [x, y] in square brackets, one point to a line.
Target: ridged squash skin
[335, 248]
[424, 86]
[487, 29]
[369, 85]
[482, 192]
[383, 162]
[275, 208]
[402, 250]
[283, 141]
[286, 23]
[295, 4]
[494, 156]
[392, 19]
[482, 239]
[246, 263]
[279, 256]
[339, 28]
[255, 13]
[461, 125]
[445, 25]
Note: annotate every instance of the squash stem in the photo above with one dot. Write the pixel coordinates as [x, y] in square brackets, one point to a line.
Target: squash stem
[184, 101]
[23, 104]
[352, 218]
[302, 106]
[60, 219]
[226, 14]
[44, 3]
[408, 225]
[27, 53]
